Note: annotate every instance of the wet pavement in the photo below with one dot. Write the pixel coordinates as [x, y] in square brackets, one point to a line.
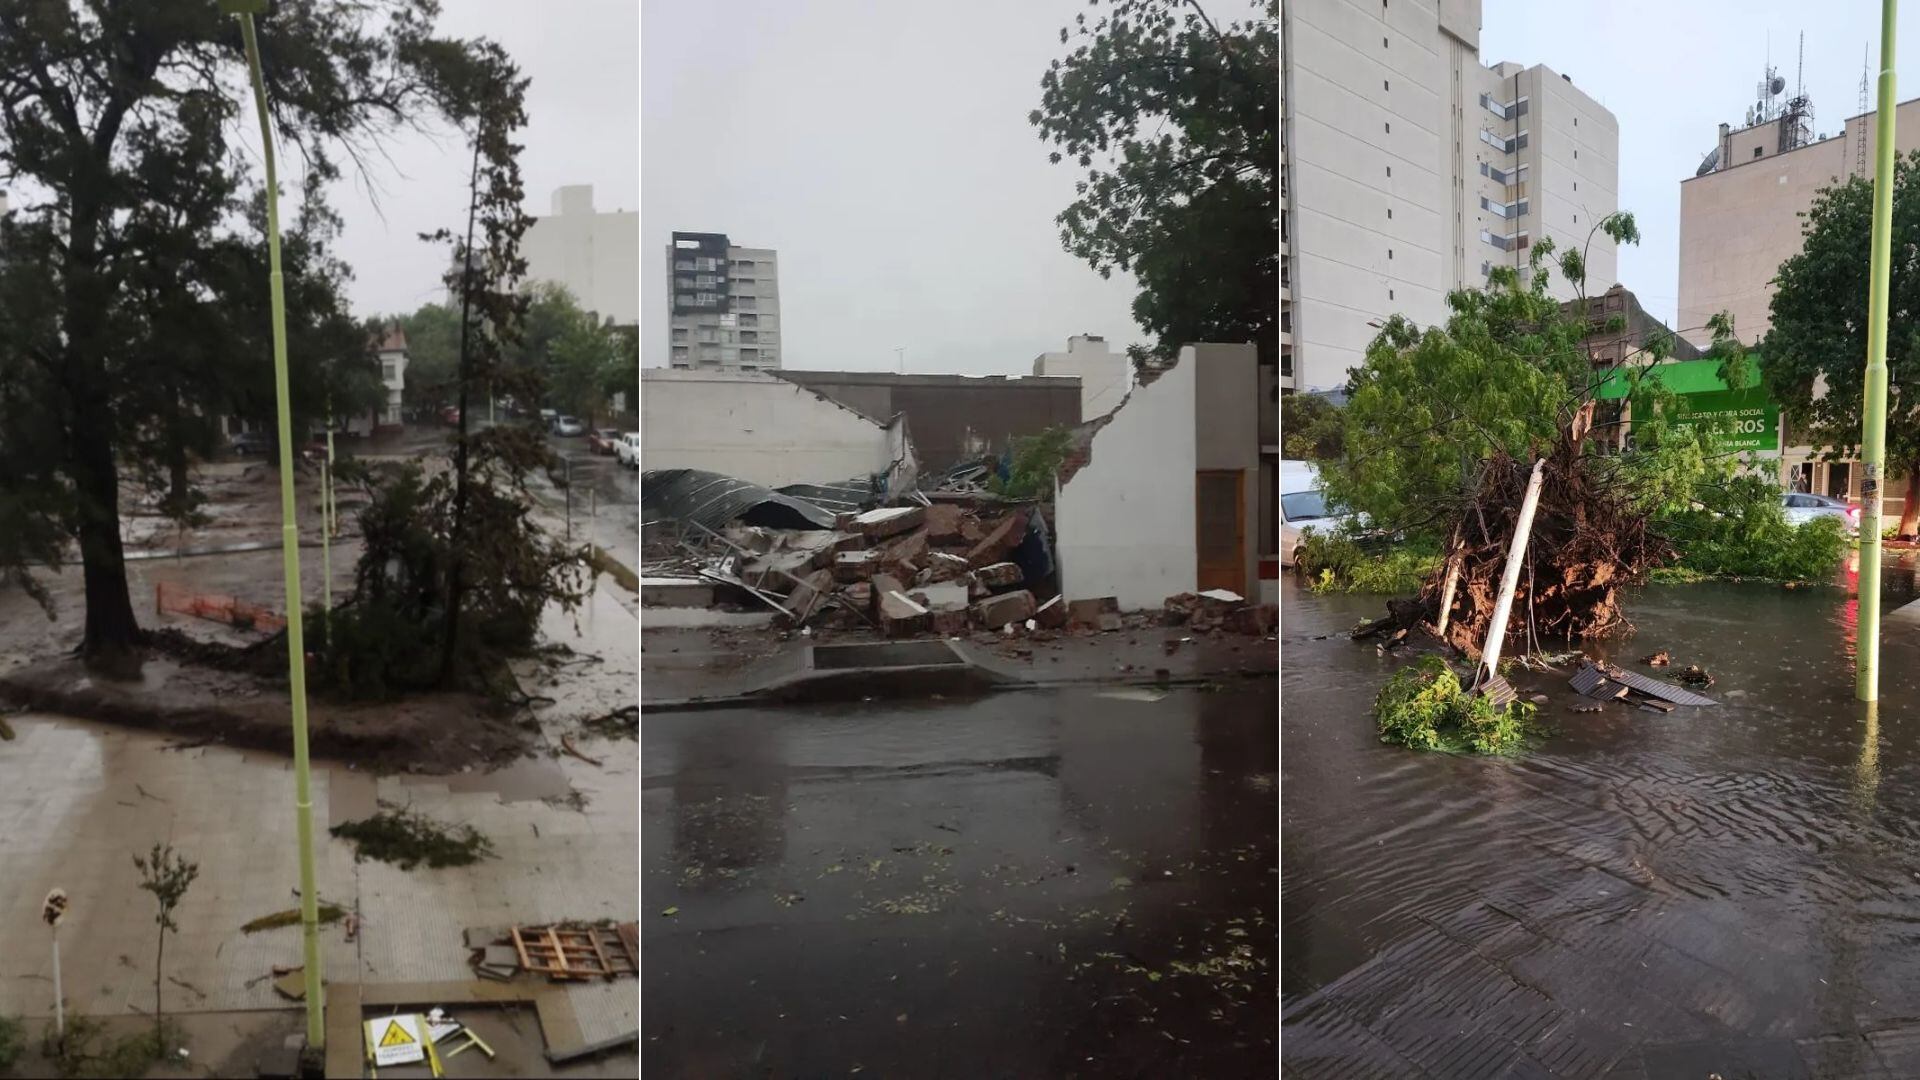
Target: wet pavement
[1059, 883]
[1731, 890]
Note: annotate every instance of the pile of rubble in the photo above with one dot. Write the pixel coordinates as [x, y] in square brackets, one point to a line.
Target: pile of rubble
[951, 564]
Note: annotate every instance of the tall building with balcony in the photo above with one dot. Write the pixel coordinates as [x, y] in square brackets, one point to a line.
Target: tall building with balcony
[1409, 169]
[723, 304]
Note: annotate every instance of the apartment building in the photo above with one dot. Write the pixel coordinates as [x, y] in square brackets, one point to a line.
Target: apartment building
[723, 304]
[594, 253]
[1410, 169]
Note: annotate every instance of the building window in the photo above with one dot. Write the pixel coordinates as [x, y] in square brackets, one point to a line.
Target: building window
[1576, 121]
[679, 352]
[1576, 185]
[749, 320]
[1389, 129]
[1389, 254]
[1389, 172]
[1389, 294]
[1385, 85]
[1383, 43]
[679, 333]
[749, 336]
[1389, 213]
[1757, 151]
[1576, 154]
[743, 301]
[1576, 219]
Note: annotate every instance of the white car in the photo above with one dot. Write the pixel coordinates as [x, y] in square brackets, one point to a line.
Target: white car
[568, 427]
[1303, 506]
[627, 449]
[1802, 507]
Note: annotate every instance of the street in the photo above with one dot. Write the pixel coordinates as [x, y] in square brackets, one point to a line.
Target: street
[1721, 890]
[1060, 883]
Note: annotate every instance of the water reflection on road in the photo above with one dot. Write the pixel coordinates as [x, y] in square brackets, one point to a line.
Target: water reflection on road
[1644, 893]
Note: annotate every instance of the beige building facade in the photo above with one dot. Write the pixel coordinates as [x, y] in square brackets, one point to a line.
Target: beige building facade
[1410, 169]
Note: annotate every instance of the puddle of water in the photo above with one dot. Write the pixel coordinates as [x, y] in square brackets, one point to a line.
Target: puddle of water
[1765, 838]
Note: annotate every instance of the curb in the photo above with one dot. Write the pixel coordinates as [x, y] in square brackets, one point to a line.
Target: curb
[764, 697]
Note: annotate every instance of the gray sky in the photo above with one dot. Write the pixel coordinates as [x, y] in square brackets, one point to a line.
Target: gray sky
[583, 128]
[1673, 72]
[883, 149]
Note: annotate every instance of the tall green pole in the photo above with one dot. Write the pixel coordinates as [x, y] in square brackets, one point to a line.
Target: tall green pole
[1873, 441]
[289, 545]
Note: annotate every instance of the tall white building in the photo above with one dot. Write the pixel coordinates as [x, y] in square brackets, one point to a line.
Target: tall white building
[1410, 169]
[1105, 376]
[594, 253]
[723, 304]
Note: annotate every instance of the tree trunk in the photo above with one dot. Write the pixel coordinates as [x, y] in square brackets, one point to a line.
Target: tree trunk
[1910, 508]
[455, 586]
[111, 633]
[159, 956]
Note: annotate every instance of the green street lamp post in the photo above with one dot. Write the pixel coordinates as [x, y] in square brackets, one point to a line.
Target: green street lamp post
[244, 11]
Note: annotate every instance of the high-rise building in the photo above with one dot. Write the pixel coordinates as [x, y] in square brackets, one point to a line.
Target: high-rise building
[723, 304]
[594, 253]
[1409, 169]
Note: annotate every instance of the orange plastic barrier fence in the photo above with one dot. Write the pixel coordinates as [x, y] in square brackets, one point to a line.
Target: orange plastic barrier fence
[168, 597]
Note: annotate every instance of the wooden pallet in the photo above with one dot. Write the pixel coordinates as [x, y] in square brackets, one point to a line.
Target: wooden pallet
[577, 952]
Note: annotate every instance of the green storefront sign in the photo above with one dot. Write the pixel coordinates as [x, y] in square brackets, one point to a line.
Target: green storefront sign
[1746, 419]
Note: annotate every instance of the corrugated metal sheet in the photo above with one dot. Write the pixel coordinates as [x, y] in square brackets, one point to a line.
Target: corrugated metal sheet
[1593, 682]
[717, 501]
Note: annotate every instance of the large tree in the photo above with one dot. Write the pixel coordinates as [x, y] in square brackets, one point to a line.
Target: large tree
[1174, 117]
[1818, 339]
[118, 123]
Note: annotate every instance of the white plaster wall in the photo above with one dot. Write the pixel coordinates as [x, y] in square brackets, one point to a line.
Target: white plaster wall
[1125, 521]
[753, 426]
[595, 254]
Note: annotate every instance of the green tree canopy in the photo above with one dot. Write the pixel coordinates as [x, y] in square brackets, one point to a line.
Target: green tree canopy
[118, 127]
[1173, 116]
[1818, 337]
[1506, 373]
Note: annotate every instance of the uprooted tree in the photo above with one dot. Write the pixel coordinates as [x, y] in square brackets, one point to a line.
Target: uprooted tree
[1442, 428]
[120, 122]
[455, 572]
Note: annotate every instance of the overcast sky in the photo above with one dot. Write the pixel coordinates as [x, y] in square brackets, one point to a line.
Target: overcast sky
[883, 150]
[1673, 72]
[583, 128]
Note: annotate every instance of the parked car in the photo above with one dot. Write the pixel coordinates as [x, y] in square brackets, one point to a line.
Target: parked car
[568, 426]
[627, 450]
[547, 415]
[450, 415]
[602, 440]
[1802, 507]
[249, 443]
[1303, 506]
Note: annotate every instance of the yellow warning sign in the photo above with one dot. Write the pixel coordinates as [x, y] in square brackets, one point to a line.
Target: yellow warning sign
[396, 1040]
[396, 1036]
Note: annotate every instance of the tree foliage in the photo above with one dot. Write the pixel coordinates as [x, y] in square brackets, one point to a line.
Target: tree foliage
[124, 304]
[1818, 336]
[1506, 374]
[1310, 428]
[1173, 117]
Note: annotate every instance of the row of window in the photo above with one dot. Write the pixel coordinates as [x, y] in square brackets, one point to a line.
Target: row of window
[711, 299]
[1506, 177]
[708, 333]
[1505, 242]
[1505, 112]
[1505, 210]
[1504, 144]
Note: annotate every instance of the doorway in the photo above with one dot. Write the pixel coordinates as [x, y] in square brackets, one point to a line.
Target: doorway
[1221, 518]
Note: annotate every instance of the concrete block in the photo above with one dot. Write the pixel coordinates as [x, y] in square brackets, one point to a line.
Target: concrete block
[999, 575]
[943, 522]
[950, 623]
[884, 583]
[851, 566]
[889, 521]
[910, 549]
[1088, 612]
[901, 617]
[860, 595]
[1052, 614]
[1109, 621]
[1000, 541]
[946, 567]
[997, 611]
[676, 592]
[950, 596]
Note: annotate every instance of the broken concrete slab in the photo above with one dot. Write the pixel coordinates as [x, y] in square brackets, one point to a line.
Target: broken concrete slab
[999, 575]
[1003, 610]
[946, 566]
[900, 616]
[852, 566]
[675, 592]
[1052, 614]
[944, 524]
[1088, 612]
[909, 550]
[951, 623]
[944, 597]
[1000, 542]
[889, 521]
[1109, 621]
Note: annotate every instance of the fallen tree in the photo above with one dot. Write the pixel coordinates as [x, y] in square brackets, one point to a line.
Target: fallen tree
[1588, 539]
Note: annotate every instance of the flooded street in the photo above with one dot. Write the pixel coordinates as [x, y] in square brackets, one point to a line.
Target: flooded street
[1032, 884]
[1731, 890]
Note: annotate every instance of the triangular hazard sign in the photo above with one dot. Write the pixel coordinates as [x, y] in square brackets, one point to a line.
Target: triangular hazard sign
[396, 1036]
